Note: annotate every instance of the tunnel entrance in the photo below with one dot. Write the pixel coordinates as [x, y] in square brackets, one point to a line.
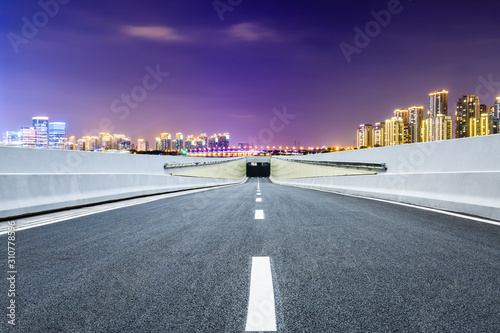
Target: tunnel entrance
[258, 169]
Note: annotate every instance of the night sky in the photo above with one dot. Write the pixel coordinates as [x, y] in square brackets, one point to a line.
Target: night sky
[229, 75]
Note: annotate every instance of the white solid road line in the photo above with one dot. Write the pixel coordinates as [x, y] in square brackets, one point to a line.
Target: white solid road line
[45, 219]
[258, 199]
[261, 314]
[259, 214]
[435, 210]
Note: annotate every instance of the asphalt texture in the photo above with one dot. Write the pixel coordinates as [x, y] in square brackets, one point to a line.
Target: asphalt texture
[183, 264]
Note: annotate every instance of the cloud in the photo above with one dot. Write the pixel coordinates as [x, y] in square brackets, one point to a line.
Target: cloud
[251, 32]
[160, 33]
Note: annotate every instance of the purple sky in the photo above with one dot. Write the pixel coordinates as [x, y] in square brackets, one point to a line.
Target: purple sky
[229, 75]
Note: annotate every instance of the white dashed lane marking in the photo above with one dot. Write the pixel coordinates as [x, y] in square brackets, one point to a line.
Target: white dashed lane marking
[261, 311]
[259, 214]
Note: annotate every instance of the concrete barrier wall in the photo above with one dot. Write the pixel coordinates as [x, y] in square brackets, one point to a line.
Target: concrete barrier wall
[229, 170]
[37, 180]
[281, 169]
[460, 175]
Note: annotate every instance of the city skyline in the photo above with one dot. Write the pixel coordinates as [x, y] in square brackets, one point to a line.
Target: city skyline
[144, 68]
[413, 125]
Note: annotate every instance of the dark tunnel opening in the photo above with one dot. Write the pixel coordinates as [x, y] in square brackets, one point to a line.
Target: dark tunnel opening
[258, 169]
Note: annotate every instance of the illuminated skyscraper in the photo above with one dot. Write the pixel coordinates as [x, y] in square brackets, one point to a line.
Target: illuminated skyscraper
[57, 133]
[212, 142]
[203, 137]
[41, 126]
[415, 119]
[401, 113]
[467, 108]
[437, 128]
[494, 125]
[201, 142]
[27, 136]
[378, 135]
[179, 141]
[190, 143]
[438, 103]
[483, 108]
[394, 130]
[166, 141]
[105, 141]
[496, 108]
[223, 142]
[12, 138]
[71, 144]
[364, 136]
[484, 124]
[121, 142]
[141, 145]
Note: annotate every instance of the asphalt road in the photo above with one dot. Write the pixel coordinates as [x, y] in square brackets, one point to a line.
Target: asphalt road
[183, 264]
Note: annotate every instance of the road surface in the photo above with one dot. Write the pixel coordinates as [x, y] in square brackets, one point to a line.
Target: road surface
[189, 263]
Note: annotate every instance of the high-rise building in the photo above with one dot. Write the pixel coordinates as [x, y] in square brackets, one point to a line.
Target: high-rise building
[364, 136]
[223, 142]
[203, 137]
[437, 128]
[190, 143]
[494, 125]
[88, 143]
[141, 145]
[496, 108]
[394, 130]
[495, 117]
[484, 124]
[27, 136]
[201, 143]
[105, 141]
[438, 103]
[165, 141]
[213, 142]
[378, 135]
[488, 122]
[120, 142]
[483, 108]
[41, 126]
[71, 143]
[57, 134]
[415, 119]
[11, 138]
[467, 107]
[179, 141]
[401, 113]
